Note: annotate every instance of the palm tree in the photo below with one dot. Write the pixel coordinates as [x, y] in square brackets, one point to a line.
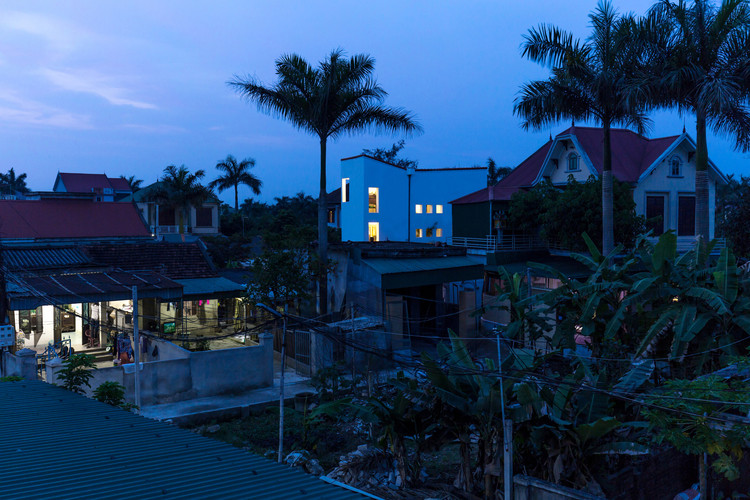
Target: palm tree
[587, 83]
[338, 97]
[701, 54]
[180, 189]
[135, 184]
[10, 184]
[234, 175]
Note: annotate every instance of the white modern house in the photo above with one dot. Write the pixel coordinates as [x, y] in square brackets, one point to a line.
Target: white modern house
[385, 202]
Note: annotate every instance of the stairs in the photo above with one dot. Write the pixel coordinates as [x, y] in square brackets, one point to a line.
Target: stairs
[99, 353]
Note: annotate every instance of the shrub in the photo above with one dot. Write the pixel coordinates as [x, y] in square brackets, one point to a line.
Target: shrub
[77, 372]
[111, 393]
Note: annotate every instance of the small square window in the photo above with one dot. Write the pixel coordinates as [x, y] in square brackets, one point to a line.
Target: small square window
[438, 209]
[417, 209]
[429, 232]
[419, 233]
[439, 232]
[429, 209]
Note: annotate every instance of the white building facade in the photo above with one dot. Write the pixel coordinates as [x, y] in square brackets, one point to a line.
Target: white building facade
[384, 202]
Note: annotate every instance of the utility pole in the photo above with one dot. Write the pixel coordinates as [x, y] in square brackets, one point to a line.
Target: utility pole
[137, 349]
[507, 431]
[276, 314]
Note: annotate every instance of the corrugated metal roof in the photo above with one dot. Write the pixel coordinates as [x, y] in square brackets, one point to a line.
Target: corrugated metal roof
[397, 266]
[210, 287]
[44, 257]
[57, 444]
[30, 291]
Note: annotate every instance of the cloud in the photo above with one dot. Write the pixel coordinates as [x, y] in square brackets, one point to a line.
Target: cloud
[17, 110]
[90, 82]
[62, 36]
[155, 129]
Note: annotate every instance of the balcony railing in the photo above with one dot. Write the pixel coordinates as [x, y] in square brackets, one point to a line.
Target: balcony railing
[494, 243]
[169, 229]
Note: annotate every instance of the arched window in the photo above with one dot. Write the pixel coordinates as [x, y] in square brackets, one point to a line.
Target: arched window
[675, 167]
[573, 162]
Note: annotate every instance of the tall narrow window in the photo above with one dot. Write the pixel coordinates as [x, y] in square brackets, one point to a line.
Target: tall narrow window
[331, 216]
[674, 167]
[373, 231]
[439, 232]
[419, 233]
[438, 209]
[655, 214]
[686, 216]
[429, 232]
[417, 209]
[429, 209]
[573, 162]
[372, 197]
[344, 190]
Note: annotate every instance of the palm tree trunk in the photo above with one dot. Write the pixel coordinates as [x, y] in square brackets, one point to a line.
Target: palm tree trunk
[701, 178]
[236, 199]
[608, 230]
[322, 234]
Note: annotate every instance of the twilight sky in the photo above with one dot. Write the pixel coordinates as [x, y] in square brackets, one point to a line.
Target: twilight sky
[127, 88]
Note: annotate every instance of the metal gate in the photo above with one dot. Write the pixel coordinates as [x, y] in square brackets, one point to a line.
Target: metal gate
[298, 349]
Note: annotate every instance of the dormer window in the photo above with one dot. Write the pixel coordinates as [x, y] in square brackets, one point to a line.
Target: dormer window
[573, 165]
[675, 167]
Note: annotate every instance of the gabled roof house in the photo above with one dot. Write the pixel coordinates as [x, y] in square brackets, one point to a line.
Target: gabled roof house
[105, 188]
[661, 172]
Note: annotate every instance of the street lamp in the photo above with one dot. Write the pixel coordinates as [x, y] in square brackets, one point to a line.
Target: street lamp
[278, 315]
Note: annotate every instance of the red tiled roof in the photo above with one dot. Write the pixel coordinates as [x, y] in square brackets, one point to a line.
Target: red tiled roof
[64, 218]
[173, 260]
[632, 154]
[87, 183]
[521, 176]
[119, 184]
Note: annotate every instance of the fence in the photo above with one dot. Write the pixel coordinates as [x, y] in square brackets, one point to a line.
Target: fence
[494, 243]
[298, 349]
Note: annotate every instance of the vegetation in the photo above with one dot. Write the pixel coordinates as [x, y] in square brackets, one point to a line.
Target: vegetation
[338, 97]
[495, 173]
[733, 215]
[135, 184]
[698, 58]
[11, 184]
[11, 378]
[392, 155]
[235, 174]
[111, 393]
[77, 372]
[588, 82]
[180, 189]
[563, 215]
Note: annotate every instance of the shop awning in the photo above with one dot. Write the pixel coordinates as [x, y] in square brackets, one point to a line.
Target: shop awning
[31, 291]
[206, 288]
[401, 273]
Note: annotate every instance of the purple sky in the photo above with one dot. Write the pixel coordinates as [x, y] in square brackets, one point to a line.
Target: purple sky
[130, 87]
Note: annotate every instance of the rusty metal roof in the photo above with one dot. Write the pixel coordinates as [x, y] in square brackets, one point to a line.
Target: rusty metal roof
[57, 444]
[45, 257]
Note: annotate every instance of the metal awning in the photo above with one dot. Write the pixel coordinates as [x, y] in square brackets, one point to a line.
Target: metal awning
[401, 273]
[206, 288]
[34, 290]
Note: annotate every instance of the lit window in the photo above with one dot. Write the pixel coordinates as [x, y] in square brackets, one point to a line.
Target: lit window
[429, 232]
[373, 231]
[573, 162]
[439, 232]
[674, 166]
[419, 233]
[438, 209]
[372, 196]
[418, 209]
[344, 190]
[429, 209]
[331, 216]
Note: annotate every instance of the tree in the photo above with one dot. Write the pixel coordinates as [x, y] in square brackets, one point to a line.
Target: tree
[700, 63]
[733, 215]
[135, 184]
[391, 155]
[181, 190]
[234, 175]
[338, 97]
[587, 83]
[10, 184]
[495, 173]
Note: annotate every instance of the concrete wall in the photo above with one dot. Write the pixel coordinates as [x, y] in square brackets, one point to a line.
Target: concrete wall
[530, 488]
[188, 375]
[22, 364]
[428, 187]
